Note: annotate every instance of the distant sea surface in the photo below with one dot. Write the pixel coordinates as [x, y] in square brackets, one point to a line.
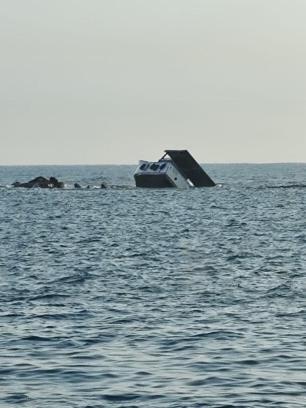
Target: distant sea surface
[128, 297]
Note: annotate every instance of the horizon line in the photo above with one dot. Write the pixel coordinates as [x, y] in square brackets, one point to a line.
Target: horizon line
[135, 164]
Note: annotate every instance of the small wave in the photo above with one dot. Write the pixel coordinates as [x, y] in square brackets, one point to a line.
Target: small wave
[36, 338]
[282, 290]
[286, 186]
[48, 296]
[74, 279]
[121, 397]
[17, 398]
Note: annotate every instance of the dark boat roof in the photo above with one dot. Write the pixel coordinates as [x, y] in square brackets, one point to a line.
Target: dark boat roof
[190, 168]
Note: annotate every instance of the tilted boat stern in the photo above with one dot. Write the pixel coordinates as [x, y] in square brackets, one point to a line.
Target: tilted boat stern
[177, 168]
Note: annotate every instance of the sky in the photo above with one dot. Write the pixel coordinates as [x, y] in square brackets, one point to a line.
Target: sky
[115, 81]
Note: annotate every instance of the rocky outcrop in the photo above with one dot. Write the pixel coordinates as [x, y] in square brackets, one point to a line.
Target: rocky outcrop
[41, 182]
[52, 182]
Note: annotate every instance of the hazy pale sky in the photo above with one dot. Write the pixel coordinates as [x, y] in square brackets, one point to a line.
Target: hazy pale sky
[114, 81]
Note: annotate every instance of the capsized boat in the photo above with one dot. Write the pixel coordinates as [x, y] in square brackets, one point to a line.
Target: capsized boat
[176, 168]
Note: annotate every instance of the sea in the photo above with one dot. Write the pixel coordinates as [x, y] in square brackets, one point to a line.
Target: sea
[140, 298]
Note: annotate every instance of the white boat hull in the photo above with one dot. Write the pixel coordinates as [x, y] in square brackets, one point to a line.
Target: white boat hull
[159, 175]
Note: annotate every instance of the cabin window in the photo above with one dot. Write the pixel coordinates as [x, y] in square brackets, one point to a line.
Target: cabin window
[154, 166]
[143, 166]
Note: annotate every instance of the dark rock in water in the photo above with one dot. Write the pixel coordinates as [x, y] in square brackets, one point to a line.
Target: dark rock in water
[55, 183]
[103, 185]
[40, 182]
[77, 185]
[88, 187]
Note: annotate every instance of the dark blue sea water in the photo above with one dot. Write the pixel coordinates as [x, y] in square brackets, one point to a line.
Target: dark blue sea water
[129, 297]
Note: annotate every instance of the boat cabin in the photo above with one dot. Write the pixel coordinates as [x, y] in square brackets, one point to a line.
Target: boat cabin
[176, 168]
